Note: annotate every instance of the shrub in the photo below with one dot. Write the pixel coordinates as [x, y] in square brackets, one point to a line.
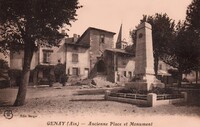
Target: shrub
[158, 90]
[59, 71]
[133, 90]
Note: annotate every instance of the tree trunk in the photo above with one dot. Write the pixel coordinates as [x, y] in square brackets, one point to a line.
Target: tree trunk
[28, 54]
[197, 76]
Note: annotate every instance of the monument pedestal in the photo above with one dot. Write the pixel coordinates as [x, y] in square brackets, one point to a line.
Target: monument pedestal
[147, 83]
[143, 83]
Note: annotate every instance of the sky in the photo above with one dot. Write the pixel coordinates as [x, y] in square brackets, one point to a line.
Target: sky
[110, 14]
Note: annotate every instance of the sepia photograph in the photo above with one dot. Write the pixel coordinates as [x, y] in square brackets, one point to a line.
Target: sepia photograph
[99, 63]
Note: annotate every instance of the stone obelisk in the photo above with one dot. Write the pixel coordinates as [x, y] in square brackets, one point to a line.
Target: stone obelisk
[144, 65]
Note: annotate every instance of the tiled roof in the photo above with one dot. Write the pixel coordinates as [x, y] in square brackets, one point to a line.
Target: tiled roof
[69, 41]
[92, 28]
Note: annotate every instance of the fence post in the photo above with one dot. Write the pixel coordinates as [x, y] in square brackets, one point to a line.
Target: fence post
[151, 99]
[185, 96]
[107, 93]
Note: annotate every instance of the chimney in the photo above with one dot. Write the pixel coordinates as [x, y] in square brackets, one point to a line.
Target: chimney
[75, 36]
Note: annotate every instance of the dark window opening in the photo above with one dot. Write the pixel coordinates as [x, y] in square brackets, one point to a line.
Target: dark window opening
[130, 74]
[74, 57]
[125, 73]
[101, 66]
[160, 67]
[75, 71]
[47, 56]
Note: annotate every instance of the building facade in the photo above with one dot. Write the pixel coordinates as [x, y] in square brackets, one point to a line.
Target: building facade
[85, 56]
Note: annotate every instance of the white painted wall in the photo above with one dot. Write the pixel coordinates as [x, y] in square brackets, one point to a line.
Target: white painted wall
[83, 60]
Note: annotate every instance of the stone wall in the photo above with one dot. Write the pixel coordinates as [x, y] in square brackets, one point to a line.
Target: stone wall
[117, 65]
[97, 48]
[109, 60]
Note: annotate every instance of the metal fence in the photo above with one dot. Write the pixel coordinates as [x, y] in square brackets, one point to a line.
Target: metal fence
[169, 96]
[144, 97]
[129, 95]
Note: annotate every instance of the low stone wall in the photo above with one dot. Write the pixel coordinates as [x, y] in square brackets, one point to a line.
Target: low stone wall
[145, 100]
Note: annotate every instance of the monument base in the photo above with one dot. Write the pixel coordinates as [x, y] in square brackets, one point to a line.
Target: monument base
[147, 83]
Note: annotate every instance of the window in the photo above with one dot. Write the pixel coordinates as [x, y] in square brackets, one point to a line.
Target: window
[74, 57]
[75, 71]
[46, 56]
[123, 46]
[102, 38]
[130, 74]
[125, 73]
[68, 71]
[160, 66]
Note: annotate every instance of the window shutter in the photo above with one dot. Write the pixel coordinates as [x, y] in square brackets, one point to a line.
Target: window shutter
[79, 71]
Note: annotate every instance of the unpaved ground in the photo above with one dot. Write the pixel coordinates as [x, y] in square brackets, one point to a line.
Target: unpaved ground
[47, 107]
[45, 101]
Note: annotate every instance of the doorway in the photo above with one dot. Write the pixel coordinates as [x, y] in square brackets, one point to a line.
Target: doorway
[101, 67]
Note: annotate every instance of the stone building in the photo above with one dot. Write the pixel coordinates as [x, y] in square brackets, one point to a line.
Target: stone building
[90, 55]
[120, 65]
[98, 41]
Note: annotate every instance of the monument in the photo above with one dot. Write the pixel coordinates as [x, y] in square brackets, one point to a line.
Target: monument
[144, 60]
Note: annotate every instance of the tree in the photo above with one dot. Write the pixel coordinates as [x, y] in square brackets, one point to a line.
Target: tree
[183, 53]
[133, 36]
[193, 16]
[26, 24]
[193, 23]
[162, 34]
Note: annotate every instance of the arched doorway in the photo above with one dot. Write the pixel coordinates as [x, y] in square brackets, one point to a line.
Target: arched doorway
[101, 67]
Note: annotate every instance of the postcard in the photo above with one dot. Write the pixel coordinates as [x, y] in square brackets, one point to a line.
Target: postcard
[113, 64]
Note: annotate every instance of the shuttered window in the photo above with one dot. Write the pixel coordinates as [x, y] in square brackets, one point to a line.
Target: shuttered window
[47, 56]
[74, 57]
[75, 71]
